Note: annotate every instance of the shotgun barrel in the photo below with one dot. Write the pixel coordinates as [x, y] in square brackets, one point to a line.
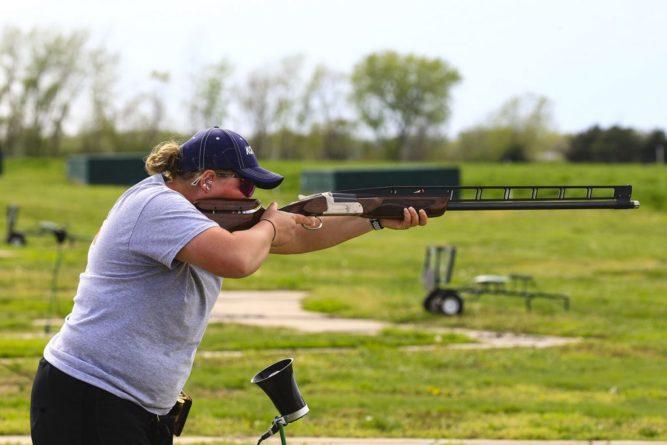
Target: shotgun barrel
[523, 197]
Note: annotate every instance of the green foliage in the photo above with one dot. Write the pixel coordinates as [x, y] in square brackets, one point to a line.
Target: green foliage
[100, 132]
[485, 143]
[210, 102]
[521, 130]
[42, 72]
[654, 148]
[333, 140]
[22, 347]
[615, 144]
[269, 99]
[323, 112]
[402, 97]
[243, 338]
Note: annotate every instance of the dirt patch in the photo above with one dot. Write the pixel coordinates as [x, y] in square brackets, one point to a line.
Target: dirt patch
[284, 309]
[7, 254]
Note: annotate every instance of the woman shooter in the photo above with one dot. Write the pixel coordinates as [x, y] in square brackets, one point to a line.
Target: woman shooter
[116, 368]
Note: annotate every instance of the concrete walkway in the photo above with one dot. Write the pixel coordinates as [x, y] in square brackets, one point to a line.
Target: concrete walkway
[284, 309]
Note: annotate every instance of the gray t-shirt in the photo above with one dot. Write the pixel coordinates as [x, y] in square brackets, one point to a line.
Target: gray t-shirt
[138, 313]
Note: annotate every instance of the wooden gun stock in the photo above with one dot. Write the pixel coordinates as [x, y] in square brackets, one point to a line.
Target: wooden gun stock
[232, 214]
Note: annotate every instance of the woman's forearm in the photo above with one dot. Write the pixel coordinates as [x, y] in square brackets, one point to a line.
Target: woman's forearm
[231, 255]
[334, 230]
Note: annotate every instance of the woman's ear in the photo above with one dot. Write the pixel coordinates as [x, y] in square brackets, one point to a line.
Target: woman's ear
[207, 179]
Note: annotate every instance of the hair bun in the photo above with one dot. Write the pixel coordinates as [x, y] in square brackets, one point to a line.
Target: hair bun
[165, 159]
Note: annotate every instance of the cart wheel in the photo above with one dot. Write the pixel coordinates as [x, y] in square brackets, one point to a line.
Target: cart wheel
[451, 303]
[433, 301]
[16, 239]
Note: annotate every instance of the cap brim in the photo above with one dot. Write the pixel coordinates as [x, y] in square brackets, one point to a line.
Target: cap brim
[261, 177]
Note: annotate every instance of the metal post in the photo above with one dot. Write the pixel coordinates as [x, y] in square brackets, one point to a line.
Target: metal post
[451, 257]
[436, 265]
[53, 299]
[283, 441]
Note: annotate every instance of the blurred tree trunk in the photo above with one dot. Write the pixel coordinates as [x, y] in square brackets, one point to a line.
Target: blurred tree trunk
[209, 103]
[268, 99]
[322, 113]
[100, 133]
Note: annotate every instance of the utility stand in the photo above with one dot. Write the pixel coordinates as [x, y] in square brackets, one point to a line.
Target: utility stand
[283, 441]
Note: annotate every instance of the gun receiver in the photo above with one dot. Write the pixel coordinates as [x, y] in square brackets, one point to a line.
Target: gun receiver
[389, 202]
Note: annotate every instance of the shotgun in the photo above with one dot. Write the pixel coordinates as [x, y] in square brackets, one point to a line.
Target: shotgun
[389, 202]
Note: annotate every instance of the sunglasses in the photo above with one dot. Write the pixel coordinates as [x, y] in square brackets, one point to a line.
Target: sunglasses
[247, 186]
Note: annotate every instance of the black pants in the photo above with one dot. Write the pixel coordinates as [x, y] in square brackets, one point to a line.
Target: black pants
[64, 410]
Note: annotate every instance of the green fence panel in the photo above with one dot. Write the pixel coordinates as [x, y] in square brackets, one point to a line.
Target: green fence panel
[117, 169]
[315, 181]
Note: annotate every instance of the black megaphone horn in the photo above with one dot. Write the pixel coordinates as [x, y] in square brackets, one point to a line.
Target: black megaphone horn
[278, 382]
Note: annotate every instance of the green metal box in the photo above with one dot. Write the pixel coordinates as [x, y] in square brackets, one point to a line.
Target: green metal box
[316, 181]
[117, 169]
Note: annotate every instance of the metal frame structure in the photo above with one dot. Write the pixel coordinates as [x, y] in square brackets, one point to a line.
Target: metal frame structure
[437, 272]
[44, 228]
[522, 286]
[14, 237]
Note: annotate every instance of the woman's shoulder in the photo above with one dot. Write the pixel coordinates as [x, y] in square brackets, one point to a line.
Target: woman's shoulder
[149, 194]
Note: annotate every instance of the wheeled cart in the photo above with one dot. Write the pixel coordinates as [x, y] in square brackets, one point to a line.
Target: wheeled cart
[438, 269]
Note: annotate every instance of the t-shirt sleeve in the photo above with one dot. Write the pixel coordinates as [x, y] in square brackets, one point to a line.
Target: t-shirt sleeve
[165, 225]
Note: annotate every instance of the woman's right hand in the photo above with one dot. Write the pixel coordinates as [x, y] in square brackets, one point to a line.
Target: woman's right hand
[286, 224]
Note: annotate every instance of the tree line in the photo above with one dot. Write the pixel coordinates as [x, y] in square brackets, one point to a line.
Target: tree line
[390, 106]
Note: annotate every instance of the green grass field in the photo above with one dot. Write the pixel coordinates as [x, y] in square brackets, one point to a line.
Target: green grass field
[611, 385]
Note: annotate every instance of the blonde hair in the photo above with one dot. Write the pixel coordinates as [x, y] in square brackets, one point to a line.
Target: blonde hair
[165, 158]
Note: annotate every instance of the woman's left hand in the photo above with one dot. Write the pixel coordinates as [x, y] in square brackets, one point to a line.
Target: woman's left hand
[410, 219]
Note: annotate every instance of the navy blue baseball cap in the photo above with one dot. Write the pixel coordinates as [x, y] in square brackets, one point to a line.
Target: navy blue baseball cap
[219, 149]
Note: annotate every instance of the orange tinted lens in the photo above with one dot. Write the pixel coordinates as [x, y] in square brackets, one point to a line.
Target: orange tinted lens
[247, 188]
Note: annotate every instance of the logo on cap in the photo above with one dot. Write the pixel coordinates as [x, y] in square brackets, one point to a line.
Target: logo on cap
[248, 150]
